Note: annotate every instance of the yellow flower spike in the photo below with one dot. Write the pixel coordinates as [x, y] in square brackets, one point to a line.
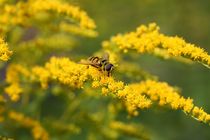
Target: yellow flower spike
[133, 99]
[188, 104]
[23, 13]
[14, 91]
[43, 77]
[12, 78]
[70, 73]
[168, 96]
[104, 91]
[150, 40]
[63, 8]
[39, 133]
[136, 96]
[66, 72]
[95, 84]
[200, 114]
[14, 14]
[5, 53]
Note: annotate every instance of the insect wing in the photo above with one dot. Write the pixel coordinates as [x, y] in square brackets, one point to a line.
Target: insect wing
[84, 62]
[87, 62]
[105, 56]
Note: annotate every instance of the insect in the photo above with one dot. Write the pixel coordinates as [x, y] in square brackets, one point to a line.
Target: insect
[101, 63]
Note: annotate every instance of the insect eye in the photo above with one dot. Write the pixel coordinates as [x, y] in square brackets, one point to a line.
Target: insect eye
[109, 67]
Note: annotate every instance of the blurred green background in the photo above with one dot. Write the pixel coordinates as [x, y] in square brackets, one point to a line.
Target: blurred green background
[189, 19]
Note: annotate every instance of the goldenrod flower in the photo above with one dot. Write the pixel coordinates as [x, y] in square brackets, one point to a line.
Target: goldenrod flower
[14, 15]
[133, 99]
[135, 96]
[39, 133]
[43, 75]
[200, 114]
[63, 8]
[166, 95]
[14, 91]
[64, 70]
[5, 53]
[74, 75]
[12, 78]
[20, 13]
[150, 40]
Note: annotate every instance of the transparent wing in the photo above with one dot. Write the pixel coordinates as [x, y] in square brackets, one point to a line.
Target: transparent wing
[84, 62]
[87, 62]
[106, 56]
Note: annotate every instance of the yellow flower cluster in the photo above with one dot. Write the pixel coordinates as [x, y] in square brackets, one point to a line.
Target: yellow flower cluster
[129, 95]
[13, 15]
[74, 75]
[43, 76]
[22, 11]
[39, 133]
[150, 40]
[166, 95]
[140, 95]
[62, 8]
[133, 100]
[12, 78]
[200, 115]
[5, 53]
[63, 70]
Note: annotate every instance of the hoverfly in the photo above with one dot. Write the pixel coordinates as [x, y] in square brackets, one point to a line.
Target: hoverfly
[101, 63]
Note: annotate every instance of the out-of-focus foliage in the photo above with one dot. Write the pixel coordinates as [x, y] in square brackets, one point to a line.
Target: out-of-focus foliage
[48, 93]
